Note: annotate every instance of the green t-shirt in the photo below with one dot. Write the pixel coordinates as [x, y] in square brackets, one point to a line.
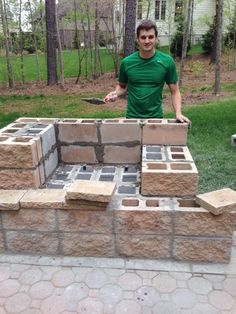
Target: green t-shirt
[146, 79]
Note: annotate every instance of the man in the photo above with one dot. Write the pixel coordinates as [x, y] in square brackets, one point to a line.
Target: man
[143, 74]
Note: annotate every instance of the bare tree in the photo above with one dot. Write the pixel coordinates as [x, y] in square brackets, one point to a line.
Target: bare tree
[35, 41]
[60, 57]
[21, 45]
[185, 41]
[4, 27]
[130, 18]
[96, 44]
[219, 21]
[51, 35]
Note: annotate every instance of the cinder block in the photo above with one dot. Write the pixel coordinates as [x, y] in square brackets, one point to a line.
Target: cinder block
[95, 191]
[135, 220]
[233, 140]
[169, 179]
[85, 221]
[122, 132]
[26, 120]
[32, 242]
[51, 163]
[122, 154]
[20, 152]
[199, 222]
[43, 198]
[20, 178]
[143, 246]
[10, 199]
[164, 132]
[77, 131]
[78, 154]
[48, 139]
[153, 153]
[87, 244]
[218, 201]
[178, 153]
[2, 247]
[199, 249]
[29, 219]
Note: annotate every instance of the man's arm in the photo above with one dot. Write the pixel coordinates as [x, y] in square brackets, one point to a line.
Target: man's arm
[119, 91]
[176, 102]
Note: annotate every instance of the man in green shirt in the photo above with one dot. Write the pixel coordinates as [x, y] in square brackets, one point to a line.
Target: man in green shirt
[143, 74]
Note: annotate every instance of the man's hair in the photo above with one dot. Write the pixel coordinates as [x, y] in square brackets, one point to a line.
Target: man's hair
[146, 25]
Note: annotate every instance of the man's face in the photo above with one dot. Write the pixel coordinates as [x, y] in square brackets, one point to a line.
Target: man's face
[147, 40]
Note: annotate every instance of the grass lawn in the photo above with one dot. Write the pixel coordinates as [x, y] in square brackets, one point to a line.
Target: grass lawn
[209, 139]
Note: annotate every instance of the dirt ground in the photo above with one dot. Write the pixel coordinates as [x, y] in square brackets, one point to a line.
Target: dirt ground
[198, 75]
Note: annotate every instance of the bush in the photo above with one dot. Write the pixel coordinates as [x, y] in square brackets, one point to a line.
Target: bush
[177, 40]
[208, 38]
[230, 37]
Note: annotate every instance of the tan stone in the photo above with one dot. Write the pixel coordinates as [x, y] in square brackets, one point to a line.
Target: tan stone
[81, 221]
[166, 132]
[158, 179]
[215, 250]
[120, 132]
[87, 244]
[143, 221]
[96, 191]
[143, 246]
[29, 219]
[85, 205]
[78, 154]
[19, 154]
[43, 198]
[218, 201]
[122, 154]
[77, 132]
[199, 222]
[19, 178]
[32, 242]
[10, 199]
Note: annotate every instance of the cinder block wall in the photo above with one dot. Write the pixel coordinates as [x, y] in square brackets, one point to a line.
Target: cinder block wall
[43, 222]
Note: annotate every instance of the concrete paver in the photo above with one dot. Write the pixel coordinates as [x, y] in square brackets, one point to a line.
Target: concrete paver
[66, 285]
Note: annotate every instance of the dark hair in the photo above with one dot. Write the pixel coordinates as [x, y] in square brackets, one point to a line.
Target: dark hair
[146, 25]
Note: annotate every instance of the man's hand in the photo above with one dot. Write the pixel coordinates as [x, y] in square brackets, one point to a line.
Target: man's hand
[183, 119]
[112, 96]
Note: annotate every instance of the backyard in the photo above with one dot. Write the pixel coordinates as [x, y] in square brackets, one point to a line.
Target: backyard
[213, 118]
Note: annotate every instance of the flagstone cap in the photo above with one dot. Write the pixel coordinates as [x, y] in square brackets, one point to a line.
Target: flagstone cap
[218, 201]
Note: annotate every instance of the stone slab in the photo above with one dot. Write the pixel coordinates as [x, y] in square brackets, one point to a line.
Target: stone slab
[143, 246]
[43, 198]
[32, 242]
[95, 191]
[85, 205]
[10, 199]
[197, 249]
[218, 201]
[87, 244]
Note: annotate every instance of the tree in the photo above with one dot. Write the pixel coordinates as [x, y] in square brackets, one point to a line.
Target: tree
[185, 41]
[6, 38]
[219, 21]
[130, 18]
[51, 35]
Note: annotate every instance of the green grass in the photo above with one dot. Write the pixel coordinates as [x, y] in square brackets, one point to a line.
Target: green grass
[209, 140]
[70, 59]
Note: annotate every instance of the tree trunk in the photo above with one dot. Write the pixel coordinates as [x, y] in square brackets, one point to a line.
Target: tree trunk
[219, 21]
[60, 57]
[35, 42]
[21, 46]
[148, 9]
[4, 27]
[185, 42]
[90, 36]
[51, 35]
[130, 18]
[96, 44]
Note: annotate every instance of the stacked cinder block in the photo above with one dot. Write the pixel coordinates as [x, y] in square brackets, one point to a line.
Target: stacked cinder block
[167, 166]
[28, 153]
[99, 141]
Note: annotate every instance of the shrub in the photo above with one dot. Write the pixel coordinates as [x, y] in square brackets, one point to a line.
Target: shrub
[177, 40]
[230, 37]
[208, 38]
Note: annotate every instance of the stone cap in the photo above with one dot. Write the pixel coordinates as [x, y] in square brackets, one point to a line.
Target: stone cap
[218, 201]
[91, 191]
[10, 199]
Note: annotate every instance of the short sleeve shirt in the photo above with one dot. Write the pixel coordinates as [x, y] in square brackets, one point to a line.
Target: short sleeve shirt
[145, 79]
